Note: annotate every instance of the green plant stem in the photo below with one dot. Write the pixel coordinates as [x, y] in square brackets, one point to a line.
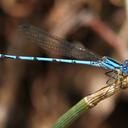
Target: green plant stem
[71, 115]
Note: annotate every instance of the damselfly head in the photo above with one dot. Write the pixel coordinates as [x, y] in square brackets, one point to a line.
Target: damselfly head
[125, 67]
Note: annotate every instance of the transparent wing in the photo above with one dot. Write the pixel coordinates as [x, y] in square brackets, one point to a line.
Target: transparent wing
[56, 45]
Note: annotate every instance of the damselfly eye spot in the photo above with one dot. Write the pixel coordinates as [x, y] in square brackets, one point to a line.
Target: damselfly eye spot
[125, 63]
[124, 68]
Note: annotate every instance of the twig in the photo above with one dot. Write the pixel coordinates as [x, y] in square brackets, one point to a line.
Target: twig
[89, 102]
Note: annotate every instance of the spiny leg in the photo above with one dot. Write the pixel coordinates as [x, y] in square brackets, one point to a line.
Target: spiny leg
[111, 73]
[112, 76]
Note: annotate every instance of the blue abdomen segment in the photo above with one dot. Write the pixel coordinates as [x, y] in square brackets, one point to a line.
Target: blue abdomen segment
[30, 58]
[105, 62]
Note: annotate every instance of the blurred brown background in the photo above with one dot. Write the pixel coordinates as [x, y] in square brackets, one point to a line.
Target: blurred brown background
[36, 94]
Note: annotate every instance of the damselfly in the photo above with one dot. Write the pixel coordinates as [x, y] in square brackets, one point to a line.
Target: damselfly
[83, 55]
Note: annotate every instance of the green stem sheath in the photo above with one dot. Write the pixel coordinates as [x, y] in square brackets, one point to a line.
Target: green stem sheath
[73, 114]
